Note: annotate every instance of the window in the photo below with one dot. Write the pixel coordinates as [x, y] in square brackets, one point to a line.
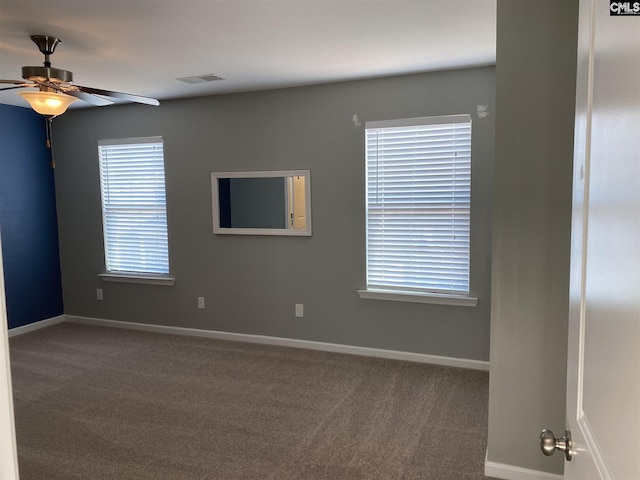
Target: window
[418, 186]
[134, 207]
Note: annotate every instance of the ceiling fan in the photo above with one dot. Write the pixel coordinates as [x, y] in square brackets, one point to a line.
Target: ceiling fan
[56, 90]
[50, 79]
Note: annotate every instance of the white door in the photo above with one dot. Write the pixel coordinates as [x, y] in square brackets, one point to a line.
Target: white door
[603, 392]
[299, 206]
[8, 455]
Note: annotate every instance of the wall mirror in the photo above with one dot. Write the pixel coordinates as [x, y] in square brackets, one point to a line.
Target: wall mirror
[262, 203]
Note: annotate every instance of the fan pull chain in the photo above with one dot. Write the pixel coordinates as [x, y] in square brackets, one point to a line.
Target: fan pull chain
[48, 142]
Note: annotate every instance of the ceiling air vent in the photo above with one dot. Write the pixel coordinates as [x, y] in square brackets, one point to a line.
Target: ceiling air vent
[209, 77]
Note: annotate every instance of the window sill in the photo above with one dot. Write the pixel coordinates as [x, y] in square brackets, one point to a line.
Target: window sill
[433, 298]
[164, 280]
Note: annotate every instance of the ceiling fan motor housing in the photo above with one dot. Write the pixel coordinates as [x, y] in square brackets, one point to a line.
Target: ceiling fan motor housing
[44, 74]
[47, 45]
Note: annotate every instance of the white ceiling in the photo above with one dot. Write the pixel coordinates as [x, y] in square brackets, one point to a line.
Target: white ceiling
[142, 46]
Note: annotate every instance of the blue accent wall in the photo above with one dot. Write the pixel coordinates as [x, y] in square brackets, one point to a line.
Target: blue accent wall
[28, 221]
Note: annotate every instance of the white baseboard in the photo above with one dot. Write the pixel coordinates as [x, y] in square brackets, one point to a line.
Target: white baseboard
[289, 342]
[510, 472]
[36, 325]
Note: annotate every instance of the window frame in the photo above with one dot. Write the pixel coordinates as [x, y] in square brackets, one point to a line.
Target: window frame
[134, 276]
[420, 294]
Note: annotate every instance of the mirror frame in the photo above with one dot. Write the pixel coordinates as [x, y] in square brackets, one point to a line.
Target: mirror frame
[215, 206]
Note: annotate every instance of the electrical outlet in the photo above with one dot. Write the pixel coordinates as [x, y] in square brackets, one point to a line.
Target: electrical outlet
[201, 303]
[299, 310]
[99, 294]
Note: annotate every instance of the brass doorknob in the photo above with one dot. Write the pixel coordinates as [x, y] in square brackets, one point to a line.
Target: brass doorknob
[549, 443]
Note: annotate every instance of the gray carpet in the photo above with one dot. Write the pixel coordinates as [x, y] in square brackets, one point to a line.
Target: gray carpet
[102, 403]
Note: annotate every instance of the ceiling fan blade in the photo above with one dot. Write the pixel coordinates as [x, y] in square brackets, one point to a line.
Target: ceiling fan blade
[2, 89]
[16, 82]
[122, 96]
[74, 92]
[87, 97]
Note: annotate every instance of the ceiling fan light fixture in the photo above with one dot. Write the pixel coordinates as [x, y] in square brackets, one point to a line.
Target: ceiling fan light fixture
[48, 103]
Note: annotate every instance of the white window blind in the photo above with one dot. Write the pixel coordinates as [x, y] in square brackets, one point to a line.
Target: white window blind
[418, 190]
[134, 205]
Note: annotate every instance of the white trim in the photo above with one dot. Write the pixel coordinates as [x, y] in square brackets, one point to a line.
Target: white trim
[130, 141]
[8, 445]
[398, 197]
[409, 122]
[37, 325]
[262, 174]
[510, 472]
[164, 280]
[289, 342]
[434, 298]
[124, 163]
[283, 232]
[215, 203]
[588, 434]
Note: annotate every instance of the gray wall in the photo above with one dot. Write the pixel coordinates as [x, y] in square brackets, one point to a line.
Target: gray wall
[251, 283]
[535, 99]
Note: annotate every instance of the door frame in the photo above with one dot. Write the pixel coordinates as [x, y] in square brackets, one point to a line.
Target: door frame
[8, 447]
